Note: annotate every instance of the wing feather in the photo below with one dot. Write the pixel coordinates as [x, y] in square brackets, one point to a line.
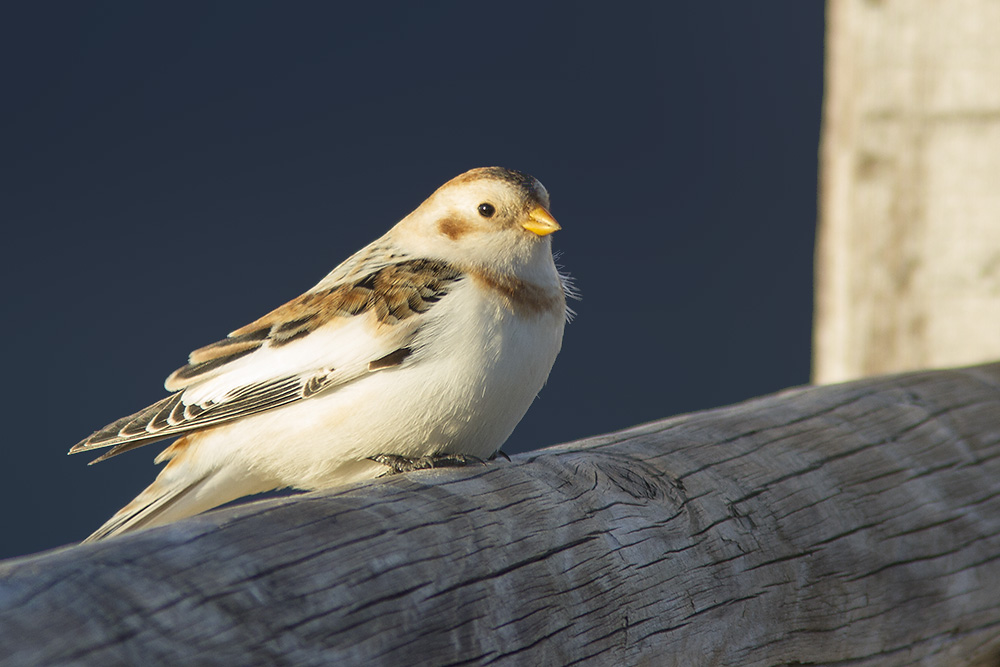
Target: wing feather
[392, 292]
[215, 387]
[172, 416]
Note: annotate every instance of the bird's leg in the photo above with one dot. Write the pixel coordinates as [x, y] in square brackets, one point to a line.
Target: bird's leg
[398, 464]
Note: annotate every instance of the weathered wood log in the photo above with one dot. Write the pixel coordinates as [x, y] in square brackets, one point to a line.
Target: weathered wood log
[850, 523]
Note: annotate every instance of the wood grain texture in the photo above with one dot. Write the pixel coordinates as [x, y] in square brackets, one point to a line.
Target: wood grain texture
[908, 249]
[854, 524]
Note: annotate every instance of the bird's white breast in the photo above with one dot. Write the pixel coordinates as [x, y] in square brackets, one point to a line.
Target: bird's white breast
[477, 365]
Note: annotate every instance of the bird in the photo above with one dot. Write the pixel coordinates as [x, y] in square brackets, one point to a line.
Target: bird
[423, 349]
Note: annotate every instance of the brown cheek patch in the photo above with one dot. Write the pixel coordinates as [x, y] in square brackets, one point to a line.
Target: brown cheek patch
[454, 229]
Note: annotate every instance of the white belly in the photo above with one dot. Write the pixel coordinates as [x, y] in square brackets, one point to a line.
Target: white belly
[474, 373]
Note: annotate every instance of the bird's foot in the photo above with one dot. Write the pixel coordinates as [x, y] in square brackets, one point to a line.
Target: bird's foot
[398, 464]
[498, 454]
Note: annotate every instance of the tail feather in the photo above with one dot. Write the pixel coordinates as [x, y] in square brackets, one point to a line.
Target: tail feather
[149, 508]
[180, 492]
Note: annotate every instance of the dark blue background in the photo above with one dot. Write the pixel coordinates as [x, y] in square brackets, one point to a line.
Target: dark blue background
[173, 170]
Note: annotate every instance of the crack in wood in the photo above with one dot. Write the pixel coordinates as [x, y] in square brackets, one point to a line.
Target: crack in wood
[835, 525]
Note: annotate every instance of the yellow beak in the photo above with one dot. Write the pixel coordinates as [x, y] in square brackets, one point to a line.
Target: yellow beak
[541, 222]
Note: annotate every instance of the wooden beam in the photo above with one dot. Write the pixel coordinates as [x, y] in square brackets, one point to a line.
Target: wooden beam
[908, 248]
[848, 523]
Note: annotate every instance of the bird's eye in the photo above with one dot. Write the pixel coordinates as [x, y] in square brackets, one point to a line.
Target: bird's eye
[486, 210]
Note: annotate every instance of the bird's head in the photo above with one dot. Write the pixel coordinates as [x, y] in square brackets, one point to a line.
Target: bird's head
[490, 216]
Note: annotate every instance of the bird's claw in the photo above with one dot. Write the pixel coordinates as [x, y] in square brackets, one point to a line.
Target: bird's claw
[398, 464]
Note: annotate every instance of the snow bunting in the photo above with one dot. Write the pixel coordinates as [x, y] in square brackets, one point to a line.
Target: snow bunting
[427, 346]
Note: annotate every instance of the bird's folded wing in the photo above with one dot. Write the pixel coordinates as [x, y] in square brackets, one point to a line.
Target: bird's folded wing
[389, 294]
[320, 340]
[179, 414]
